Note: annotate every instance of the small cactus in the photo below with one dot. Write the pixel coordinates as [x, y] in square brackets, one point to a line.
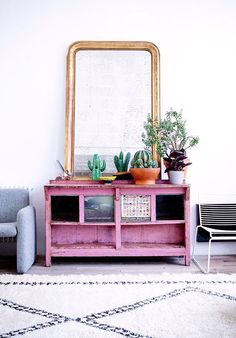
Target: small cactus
[143, 159]
[97, 166]
[120, 163]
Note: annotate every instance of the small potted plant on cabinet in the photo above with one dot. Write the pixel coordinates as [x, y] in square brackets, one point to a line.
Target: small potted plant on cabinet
[143, 168]
[175, 166]
[171, 140]
[122, 162]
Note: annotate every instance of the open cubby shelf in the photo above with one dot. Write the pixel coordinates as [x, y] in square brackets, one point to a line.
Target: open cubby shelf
[120, 219]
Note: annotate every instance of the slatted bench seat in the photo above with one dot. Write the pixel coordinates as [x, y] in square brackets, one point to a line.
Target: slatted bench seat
[217, 223]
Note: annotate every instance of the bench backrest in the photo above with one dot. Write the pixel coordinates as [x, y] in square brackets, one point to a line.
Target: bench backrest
[218, 215]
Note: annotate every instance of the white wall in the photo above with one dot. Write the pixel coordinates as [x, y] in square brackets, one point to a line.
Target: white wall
[198, 52]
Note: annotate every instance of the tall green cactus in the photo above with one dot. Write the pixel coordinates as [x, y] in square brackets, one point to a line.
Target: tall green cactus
[120, 164]
[97, 166]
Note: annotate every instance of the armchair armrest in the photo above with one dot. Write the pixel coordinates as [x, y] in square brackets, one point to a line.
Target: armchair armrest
[26, 238]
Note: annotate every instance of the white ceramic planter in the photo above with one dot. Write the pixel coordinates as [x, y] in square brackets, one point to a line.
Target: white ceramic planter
[176, 177]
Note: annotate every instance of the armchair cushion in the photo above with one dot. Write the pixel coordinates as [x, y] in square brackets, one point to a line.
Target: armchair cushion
[17, 219]
[11, 201]
[8, 229]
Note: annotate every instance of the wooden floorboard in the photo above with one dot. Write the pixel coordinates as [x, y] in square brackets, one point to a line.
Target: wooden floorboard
[94, 266]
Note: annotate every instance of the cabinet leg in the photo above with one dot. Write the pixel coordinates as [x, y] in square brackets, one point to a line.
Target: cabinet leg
[48, 260]
[187, 260]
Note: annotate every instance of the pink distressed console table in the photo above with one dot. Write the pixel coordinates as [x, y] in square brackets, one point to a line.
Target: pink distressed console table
[92, 219]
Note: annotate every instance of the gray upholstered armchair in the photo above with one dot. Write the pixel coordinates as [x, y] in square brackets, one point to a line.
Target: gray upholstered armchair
[17, 219]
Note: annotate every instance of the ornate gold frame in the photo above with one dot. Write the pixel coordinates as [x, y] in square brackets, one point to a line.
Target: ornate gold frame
[70, 85]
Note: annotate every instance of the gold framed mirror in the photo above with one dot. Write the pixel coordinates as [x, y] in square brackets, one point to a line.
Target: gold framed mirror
[111, 88]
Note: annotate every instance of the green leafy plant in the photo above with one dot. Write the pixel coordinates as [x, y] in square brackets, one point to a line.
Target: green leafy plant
[96, 166]
[169, 134]
[121, 163]
[143, 159]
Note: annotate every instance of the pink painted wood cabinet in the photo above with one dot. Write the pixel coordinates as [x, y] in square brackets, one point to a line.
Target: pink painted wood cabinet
[88, 219]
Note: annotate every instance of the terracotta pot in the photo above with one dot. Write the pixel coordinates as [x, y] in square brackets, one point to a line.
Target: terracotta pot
[119, 173]
[145, 175]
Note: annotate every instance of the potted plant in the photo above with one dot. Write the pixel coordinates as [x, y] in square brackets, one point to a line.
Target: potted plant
[143, 168]
[122, 162]
[176, 164]
[171, 139]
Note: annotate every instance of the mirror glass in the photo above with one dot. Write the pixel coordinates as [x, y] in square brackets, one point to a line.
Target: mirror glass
[112, 99]
[110, 93]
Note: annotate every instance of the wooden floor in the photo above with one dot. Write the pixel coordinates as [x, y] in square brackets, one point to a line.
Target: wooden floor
[94, 266]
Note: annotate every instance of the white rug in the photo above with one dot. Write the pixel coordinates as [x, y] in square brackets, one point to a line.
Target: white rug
[116, 306]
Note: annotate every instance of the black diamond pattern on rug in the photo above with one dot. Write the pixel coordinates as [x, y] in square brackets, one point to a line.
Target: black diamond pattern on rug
[94, 319]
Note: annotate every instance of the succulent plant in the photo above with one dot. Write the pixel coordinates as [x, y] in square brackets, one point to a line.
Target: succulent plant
[120, 163]
[143, 154]
[169, 134]
[143, 159]
[97, 166]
